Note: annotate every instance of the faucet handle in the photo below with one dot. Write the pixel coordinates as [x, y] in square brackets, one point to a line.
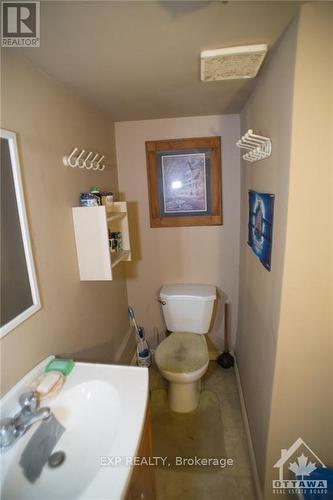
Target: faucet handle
[7, 432]
[29, 401]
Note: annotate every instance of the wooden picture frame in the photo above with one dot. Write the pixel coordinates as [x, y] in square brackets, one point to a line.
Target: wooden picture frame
[184, 182]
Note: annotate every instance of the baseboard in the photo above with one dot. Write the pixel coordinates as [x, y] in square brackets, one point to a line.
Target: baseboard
[248, 435]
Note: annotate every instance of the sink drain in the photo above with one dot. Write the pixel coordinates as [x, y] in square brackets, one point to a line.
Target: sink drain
[56, 459]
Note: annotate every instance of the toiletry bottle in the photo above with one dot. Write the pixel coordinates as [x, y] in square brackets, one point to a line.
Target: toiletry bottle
[119, 239]
[107, 199]
[97, 192]
[88, 200]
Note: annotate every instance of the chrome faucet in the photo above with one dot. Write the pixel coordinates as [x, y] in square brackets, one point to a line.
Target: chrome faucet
[12, 429]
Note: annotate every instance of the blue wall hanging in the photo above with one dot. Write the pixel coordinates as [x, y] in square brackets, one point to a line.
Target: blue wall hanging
[261, 209]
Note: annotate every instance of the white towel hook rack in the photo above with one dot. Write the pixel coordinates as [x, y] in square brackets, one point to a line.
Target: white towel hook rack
[258, 146]
[76, 159]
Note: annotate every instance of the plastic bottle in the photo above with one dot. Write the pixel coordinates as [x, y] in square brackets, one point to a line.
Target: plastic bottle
[97, 192]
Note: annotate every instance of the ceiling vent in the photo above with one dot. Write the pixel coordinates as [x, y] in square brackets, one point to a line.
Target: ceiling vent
[232, 63]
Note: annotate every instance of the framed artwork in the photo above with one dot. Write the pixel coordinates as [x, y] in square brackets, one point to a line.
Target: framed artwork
[261, 210]
[184, 182]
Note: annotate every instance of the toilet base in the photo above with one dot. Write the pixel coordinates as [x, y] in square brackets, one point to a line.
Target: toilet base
[184, 398]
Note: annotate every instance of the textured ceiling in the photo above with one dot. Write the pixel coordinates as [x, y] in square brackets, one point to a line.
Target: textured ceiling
[140, 60]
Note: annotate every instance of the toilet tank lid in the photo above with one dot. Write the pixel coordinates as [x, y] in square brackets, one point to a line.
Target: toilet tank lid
[188, 291]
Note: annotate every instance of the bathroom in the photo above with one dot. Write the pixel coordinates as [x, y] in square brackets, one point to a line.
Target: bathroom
[110, 76]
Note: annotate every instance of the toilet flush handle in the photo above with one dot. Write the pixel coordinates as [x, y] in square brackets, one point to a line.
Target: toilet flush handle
[161, 301]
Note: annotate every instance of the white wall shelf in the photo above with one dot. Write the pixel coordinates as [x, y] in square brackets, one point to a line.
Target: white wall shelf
[119, 258]
[91, 228]
[114, 217]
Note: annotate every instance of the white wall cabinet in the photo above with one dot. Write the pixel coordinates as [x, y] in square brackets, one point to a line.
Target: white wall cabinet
[91, 227]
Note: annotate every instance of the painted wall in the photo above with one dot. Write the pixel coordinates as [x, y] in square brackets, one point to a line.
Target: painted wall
[284, 346]
[269, 110]
[176, 255]
[49, 121]
[302, 401]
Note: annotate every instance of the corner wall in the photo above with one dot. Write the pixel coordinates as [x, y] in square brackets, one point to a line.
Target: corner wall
[49, 121]
[268, 110]
[302, 400]
[285, 346]
[206, 254]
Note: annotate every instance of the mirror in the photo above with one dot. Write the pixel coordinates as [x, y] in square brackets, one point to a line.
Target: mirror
[19, 291]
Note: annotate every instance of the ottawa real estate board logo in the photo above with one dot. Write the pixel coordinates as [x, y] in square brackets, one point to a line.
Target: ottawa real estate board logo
[20, 24]
[299, 460]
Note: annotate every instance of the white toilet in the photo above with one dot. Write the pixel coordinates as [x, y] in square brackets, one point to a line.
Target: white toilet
[182, 357]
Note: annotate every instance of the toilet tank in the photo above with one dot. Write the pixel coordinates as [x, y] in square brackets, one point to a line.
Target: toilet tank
[187, 307]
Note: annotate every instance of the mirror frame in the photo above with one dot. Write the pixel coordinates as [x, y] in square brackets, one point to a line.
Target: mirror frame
[36, 303]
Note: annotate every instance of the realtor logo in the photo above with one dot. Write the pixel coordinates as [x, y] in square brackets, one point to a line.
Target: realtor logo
[300, 460]
[20, 24]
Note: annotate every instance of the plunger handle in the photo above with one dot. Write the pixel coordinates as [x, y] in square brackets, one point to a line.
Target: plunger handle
[226, 342]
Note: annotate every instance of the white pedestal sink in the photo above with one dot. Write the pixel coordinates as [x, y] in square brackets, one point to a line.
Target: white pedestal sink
[102, 408]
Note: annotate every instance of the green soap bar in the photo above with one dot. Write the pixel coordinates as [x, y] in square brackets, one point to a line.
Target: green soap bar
[65, 366]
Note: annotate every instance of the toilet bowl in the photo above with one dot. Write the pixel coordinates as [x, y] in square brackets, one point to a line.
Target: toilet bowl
[182, 358]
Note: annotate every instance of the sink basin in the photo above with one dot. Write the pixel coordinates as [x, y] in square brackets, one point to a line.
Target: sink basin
[102, 408]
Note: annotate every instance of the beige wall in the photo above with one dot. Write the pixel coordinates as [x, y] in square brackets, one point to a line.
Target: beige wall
[175, 255]
[284, 346]
[269, 111]
[49, 122]
[302, 401]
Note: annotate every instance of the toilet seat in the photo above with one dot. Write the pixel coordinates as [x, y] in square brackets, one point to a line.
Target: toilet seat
[182, 352]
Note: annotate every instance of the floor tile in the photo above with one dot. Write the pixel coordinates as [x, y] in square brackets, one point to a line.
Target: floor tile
[202, 486]
[220, 380]
[232, 483]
